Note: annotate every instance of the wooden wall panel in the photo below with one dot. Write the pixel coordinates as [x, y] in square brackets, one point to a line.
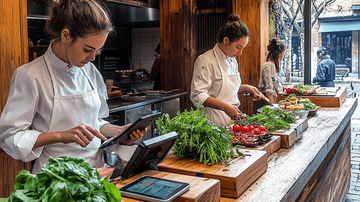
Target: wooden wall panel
[177, 41]
[13, 53]
[255, 15]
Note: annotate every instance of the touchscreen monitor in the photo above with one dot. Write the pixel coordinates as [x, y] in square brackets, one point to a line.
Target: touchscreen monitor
[154, 189]
[148, 154]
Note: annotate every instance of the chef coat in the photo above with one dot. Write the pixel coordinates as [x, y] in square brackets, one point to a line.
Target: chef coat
[208, 80]
[29, 106]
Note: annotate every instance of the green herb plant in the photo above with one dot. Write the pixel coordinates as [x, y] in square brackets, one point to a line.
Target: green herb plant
[272, 119]
[198, 136]
[63, 179]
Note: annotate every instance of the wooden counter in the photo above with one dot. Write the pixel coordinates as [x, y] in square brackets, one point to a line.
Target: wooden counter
[316, 168]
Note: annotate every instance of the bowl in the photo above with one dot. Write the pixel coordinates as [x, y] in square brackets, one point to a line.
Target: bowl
[303, 114]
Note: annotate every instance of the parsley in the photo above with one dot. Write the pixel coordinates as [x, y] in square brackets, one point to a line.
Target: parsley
[198, 136]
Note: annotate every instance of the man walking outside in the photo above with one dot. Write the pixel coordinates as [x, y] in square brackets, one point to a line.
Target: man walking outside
[325, 73]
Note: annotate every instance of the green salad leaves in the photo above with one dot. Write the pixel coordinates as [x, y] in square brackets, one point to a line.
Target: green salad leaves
[271, 119]
[63, 179]
[198, 136]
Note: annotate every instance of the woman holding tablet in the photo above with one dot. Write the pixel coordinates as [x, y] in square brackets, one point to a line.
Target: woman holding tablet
[56, 103]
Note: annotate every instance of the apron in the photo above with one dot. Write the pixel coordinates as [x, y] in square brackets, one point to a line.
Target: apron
[70, 111]
[228, 93]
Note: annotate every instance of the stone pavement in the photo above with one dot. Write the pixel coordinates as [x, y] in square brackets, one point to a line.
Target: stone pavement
[354, 190]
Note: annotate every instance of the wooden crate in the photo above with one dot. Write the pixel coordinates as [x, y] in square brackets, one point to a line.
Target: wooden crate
[293, 134]
[234, 178]
[270, 147]
[326, 101]
[201, 189]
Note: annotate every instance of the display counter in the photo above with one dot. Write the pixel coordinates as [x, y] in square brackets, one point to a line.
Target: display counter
[316, 168]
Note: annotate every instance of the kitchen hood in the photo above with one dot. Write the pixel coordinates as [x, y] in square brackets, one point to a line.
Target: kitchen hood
[133, 16]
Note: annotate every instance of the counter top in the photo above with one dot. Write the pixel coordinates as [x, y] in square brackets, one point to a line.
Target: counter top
[120, 104]
[309, 165]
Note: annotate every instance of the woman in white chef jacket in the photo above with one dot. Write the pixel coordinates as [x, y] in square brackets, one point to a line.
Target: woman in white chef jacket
[216, 80]
[56, 103]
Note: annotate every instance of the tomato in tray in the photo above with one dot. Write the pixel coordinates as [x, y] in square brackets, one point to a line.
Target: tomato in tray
[236, 128]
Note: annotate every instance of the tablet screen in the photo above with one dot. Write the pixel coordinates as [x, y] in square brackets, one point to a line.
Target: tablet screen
[155, 187]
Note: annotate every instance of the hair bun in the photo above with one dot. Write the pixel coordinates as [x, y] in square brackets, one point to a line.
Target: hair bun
[234, 17]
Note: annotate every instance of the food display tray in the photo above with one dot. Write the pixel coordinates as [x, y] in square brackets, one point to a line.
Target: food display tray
[325, 100]
[293, 134]
[234, 178]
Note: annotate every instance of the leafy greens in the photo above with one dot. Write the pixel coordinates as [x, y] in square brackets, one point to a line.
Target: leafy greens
[63, 179]
[198, 136]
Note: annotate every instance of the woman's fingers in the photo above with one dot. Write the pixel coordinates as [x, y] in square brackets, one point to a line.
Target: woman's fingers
[94, 132]
[81, 134]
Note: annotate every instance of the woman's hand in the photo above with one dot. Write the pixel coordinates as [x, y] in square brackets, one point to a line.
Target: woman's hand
[106, 172]
[232, 111]
[81, 134]
[136, 135]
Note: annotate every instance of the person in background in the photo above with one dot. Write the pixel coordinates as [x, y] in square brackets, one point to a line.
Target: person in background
[325, 73]
[56, 102]
[156, 70]
[216, 79]
[269, 81]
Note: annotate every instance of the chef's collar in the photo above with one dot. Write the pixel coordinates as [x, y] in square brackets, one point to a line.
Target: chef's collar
[57, 63]
[220, 54]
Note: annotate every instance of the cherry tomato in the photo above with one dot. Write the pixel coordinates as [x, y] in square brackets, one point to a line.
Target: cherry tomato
[251, 127]
[262, 128]
[236, 128]
[244, 128]
[257, 130]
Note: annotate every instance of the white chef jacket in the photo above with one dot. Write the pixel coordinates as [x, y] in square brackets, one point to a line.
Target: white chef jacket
[30, 102]
[207, 76]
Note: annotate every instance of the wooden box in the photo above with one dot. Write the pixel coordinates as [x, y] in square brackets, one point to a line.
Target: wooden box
[201, 189]
[293, 134]
[326, 101]
[234, 178]
[270, 147]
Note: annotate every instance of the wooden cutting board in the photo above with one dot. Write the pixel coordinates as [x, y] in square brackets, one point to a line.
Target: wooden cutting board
[293, 134]
[270, 147]
[201, 189]
[234, 178]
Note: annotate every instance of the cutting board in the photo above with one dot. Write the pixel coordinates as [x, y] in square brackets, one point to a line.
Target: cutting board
[270, 147]
[293, 134]
[201, 189]
[234, 178]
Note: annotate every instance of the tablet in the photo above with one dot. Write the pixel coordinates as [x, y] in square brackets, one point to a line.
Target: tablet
[154, 189]
[140, 124]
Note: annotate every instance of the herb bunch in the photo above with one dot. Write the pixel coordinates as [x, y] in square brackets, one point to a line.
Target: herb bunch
[198, 137]
[271, 119]
[63, 179]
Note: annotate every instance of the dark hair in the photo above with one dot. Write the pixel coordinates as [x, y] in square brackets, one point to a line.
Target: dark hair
[275, 48]
[321, 50]
[80, 17]
[233, 29]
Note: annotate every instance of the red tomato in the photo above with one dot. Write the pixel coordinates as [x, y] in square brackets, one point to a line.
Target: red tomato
[257, 130]
[262, 128]
[251, 127]
[236, 128]
[244, 129]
